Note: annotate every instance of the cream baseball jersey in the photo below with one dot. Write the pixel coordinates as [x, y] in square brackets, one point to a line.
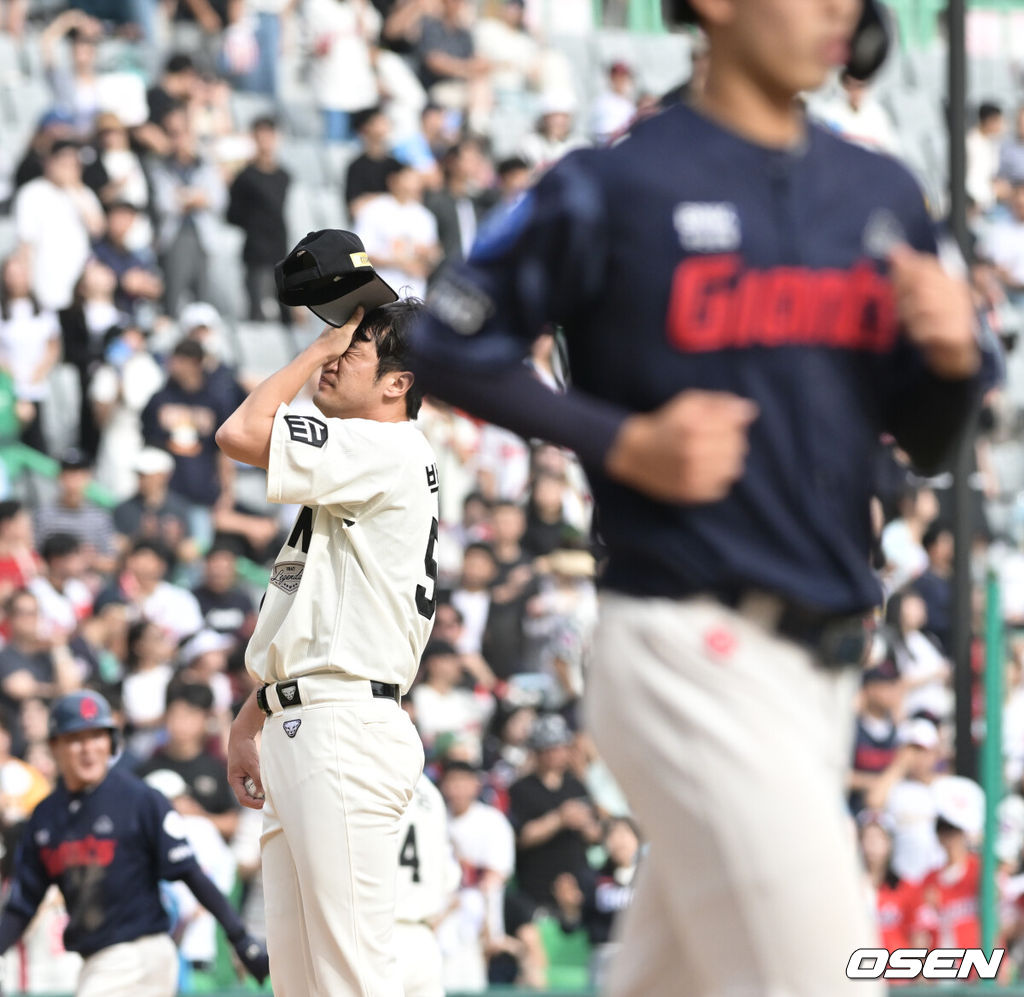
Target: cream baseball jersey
[353, 588]
[428, 872]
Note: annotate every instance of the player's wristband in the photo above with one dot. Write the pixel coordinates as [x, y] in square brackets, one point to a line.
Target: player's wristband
[261, 700]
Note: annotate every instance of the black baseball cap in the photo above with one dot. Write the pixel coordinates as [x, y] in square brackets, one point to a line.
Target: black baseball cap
[329, 272]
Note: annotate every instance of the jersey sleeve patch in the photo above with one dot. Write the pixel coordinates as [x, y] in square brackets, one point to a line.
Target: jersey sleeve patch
[174, 825]
[307, 429]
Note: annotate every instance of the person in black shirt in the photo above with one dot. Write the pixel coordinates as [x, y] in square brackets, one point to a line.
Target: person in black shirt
[368, 173]
[154, 512]
[935, 586]
[256, 206]
[546, 528]
[226, 606]
[552, 815]
[188, 712]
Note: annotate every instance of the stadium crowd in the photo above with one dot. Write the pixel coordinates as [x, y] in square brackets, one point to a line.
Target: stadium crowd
[139, 574]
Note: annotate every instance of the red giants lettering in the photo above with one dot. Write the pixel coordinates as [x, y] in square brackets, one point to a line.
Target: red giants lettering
[70, 854]
[718, 305]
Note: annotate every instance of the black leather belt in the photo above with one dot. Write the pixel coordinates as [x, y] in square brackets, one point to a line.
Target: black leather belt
[835, 640]
[288, 694]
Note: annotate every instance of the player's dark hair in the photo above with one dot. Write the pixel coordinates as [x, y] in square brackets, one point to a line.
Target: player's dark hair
[388, 327]
[987, 111]
[514, 164]
[460, 766]
[154, 547]
[190, 349]
[437, 649]
[481, 546]
[60, 545]
[263, 122]
[934, 531]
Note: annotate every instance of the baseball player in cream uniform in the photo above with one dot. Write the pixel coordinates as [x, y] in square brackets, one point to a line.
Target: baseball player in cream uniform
[428, 876]
[338, 640]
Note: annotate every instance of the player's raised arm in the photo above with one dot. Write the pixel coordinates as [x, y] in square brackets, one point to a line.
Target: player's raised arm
[245, 436]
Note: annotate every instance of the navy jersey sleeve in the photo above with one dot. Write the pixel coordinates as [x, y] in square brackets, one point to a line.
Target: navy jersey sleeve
[165, 830]
[28, 887]
[543, 261]
[924, 412]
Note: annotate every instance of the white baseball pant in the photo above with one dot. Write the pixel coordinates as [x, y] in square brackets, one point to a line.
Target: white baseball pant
[145, 967]
[336, 789]
[420, 958]
[731, 744]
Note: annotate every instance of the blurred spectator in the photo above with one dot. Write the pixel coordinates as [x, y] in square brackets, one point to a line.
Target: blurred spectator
[225, 603]
[1011, 154]
[29, 344]
[905, 557]
[949, 914]
[909, 805]
[896, 900]
[367, 176]
[119, 391]
[18, 561]
[148, 673]
[256, 206]
[21, 788]
[189, 196]
[983, 156]
[546, 527]
[85, 326]
[553, 136]
[452, 73]
[75, 88]
[61, 592]
[612, 890]
[935, 584]
[73, 513]
[513, 584]
[613, 111]
[344, 35]
[400, 234]
[204, 660]
[1002, 243]
[154, 512]
[457, 207]
[188, 714]
[858, 117]
[30, 667]
[56, 217]
[552, 815]
[174, 90]
[426, 147]
[513, 181]
[118, 176]
[442, 707]
[138, 280]
[485, 848]
[201, 322]
[53, 126]
[923, 668]
[504, 42]
[874, 743]
[144, 587]
[472, 596]
[182, 417]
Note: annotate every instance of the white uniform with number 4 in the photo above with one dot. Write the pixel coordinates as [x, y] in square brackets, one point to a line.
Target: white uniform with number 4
[428, 876]
[350, 600]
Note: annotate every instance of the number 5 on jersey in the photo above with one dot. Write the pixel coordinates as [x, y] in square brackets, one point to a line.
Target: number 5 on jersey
[426, 606]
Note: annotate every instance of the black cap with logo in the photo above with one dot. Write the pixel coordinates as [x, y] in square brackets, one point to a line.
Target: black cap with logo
[329, 272]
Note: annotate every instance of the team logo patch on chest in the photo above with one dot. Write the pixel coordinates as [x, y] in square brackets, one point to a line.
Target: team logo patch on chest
[707, 227]
[103, 825]
[291, 727]
[287, 575]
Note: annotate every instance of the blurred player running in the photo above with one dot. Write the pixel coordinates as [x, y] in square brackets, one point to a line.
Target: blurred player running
[748, 303]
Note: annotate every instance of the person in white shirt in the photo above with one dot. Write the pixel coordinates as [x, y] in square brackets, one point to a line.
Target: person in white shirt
[513, 54]
[553, 137]
[613, 110]
[1002, 245]
[344, 33]
[859, 118]
[64, 598]
[905, 556]
[400, 234]
[55, 217]
[983, 156]
[484, 844]
[428, 876]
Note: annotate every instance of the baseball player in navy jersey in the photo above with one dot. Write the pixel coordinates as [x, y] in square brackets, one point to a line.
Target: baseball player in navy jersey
[107, 839]
[748, 303]
[337, 641]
